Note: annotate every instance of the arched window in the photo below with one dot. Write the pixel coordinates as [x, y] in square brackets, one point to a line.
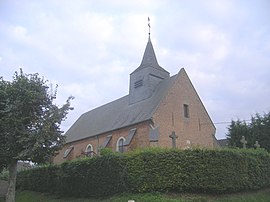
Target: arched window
[89, 151]
[120, 144]
[68, 151]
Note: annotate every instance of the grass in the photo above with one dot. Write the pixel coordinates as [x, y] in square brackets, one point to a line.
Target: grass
[257, 196]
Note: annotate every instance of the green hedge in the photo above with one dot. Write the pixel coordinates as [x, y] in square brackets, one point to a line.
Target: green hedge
[202, 171]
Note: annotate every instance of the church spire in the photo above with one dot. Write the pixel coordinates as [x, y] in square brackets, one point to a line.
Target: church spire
[149, 59]
[145, 79]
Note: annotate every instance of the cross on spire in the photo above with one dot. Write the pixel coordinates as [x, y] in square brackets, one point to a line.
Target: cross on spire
[244, 142]
[149, 26]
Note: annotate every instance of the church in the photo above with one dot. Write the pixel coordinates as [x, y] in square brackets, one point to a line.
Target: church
[159, 111]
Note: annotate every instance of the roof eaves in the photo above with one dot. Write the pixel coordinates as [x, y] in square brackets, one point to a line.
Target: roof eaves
[109, 131]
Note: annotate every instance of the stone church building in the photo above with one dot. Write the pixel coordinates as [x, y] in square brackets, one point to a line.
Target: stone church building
[159, 111]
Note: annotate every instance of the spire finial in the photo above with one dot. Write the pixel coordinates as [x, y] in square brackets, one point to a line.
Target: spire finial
[149, 26]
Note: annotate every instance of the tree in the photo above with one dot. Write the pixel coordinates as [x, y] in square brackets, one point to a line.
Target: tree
[237, 129]
[257, 130]
[29, 123]
[260, 126]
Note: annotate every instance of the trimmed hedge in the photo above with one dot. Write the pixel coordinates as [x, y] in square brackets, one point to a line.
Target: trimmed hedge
[202, 171]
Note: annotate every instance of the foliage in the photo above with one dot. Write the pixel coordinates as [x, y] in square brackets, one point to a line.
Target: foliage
[257, 130]
[237, 129]
[262, 196]
[30, 121]
[199, 171]
[106, 151]
[4, 175]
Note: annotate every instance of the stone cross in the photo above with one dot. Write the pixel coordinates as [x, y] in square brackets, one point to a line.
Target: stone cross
[173, 136]
[257, 145]
[244, 142]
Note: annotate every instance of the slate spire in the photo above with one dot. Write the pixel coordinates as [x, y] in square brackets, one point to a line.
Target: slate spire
[145, 79]
[149, 58]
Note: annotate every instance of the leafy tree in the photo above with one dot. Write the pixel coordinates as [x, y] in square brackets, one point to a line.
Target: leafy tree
[237, 129]
[29, 123]
[257, 130]
[260, 126]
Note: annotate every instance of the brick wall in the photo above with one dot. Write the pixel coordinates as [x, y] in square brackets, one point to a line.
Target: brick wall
[169, 116]
[139, 140]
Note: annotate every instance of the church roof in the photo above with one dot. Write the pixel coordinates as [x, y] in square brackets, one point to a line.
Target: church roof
[149, 58]
[117, 114]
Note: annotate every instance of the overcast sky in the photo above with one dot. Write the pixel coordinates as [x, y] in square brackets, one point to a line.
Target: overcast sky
[89, 48]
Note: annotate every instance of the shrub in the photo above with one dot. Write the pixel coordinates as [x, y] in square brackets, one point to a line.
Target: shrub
[106, 151]
[151, 170]
[4, 175]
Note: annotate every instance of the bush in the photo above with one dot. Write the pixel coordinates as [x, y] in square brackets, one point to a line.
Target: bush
[4, 175]
[151, 170]
[106, 151]
[92, 177]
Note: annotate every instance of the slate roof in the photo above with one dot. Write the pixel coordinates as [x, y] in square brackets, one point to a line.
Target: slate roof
[117, 114]
[149, 59]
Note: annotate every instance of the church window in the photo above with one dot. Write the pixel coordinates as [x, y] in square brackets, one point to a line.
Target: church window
[120, 144]
[186, 111]
[138, 83]
[89, 151]
[68, 151]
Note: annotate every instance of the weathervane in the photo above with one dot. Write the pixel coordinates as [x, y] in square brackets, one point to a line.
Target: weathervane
[149, 25]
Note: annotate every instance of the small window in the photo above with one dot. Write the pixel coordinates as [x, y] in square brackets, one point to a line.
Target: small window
[138, 83]
[68, 151]
[89, 151]
[120, 144]
[186, 111]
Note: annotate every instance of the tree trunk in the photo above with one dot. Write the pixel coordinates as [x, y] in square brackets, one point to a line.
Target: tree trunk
[10, 197]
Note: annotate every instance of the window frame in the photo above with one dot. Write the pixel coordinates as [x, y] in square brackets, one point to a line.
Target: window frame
[67, 152]
[186, 111]
[118, 144]
[87, 152]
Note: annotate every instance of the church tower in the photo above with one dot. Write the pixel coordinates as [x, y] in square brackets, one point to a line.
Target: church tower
[144, 80]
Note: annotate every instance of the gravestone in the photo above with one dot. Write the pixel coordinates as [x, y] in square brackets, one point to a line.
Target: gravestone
[257, 145]
[244, 142]
[188, 144]
[174, 137]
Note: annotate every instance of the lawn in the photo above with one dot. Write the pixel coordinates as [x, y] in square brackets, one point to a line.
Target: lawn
[259, 196]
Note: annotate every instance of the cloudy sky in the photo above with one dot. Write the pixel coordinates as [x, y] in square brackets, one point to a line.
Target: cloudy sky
[89, 48]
